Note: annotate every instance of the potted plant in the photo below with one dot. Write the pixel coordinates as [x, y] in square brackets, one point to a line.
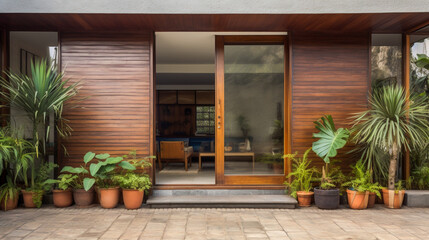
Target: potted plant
[134, 183]
[327, 196]
[300, 187]
[103, 173]
[9, 194]
[62, 195]
[83, 191]
[361, 189]
[40, 95]
[38, 184]
[395, 198]
[391, 123]
[15, 155]
[133, 187]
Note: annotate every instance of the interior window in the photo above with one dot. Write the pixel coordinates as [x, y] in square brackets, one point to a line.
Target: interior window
[205, 120]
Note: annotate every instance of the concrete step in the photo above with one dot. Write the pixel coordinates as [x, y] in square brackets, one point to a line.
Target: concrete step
[220, 198]
[416, 198]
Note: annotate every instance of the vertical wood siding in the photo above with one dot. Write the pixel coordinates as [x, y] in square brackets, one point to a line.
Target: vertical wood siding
[330, 76]
[114, 69]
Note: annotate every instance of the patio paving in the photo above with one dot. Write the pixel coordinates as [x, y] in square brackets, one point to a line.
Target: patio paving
[308, 223]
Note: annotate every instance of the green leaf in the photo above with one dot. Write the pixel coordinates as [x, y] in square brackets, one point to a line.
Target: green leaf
[102, 156]
[108, 168]
[113, 160]
[126, 165]
[93, 168]
[51, 181]
[77, 170]
[88, 157]
[330, 139]
[88, 183]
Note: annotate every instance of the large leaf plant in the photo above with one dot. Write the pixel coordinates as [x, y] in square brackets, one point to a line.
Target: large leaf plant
[330, 141]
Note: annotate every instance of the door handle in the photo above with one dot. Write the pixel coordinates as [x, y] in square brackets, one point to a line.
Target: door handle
[218, 116]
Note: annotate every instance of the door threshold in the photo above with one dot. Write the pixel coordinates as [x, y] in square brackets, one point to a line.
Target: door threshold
[206, 186]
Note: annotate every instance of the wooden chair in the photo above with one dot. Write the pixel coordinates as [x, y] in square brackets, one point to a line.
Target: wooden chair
[174, 151]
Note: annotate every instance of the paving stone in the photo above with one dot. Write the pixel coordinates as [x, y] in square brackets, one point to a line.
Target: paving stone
[214, 223]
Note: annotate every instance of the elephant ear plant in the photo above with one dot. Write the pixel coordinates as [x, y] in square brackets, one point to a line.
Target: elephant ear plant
[83, 193]
[83, 180]
[103, 171]
[330, 141]
[392, 123]
[62, 195]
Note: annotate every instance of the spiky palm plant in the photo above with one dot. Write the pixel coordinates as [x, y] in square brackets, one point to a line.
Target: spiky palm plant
[392, 123]
[39, 95]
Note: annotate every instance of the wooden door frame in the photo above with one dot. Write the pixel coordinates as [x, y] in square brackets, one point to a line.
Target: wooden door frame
[220, 41]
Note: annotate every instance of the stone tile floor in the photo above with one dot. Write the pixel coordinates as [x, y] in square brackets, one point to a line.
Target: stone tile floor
[199, 224]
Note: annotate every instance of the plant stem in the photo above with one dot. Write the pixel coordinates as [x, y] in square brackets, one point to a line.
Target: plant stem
[393, 152]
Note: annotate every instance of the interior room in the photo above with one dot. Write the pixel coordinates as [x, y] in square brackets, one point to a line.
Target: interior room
[185, 113]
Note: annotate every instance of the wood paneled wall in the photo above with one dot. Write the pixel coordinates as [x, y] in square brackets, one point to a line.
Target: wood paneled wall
[329, 76]
[115, 73]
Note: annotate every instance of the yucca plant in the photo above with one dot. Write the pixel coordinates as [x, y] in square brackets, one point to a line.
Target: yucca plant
[390, 124]
[39, 95]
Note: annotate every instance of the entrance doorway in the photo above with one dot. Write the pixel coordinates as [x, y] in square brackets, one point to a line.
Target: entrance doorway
[250, 86]
[185, 110]
[220, 108]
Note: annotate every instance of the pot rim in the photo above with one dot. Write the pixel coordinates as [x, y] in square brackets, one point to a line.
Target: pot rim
[60, 190]
[109, 188]
[332, 189]
[357, 192]
[304, 193]
[385, 190]
[25, 191]
[83, 190]
[136, 190]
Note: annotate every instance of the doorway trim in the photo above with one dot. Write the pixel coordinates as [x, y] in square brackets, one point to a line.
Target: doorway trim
[220, 41]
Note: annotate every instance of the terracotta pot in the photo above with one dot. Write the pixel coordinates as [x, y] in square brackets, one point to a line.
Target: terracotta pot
[357, 200]
[11, 203]
[133, 199]
[83, 198]
[304, 198]
[371, 200]
[62, 198]
[109, 197]
[28, 199]
[327, 199]
[392, 198]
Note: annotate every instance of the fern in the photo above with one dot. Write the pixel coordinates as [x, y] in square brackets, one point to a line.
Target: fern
[302, 174]
[362, 180]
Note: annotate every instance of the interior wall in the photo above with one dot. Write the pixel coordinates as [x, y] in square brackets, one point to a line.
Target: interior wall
[115, 74]
[330, 75]
[37, 43]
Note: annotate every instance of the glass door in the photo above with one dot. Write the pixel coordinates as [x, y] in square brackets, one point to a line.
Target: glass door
[250, 84]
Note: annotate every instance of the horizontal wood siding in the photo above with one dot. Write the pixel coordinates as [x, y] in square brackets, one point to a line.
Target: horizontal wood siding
[114, 69]
[330, 76]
